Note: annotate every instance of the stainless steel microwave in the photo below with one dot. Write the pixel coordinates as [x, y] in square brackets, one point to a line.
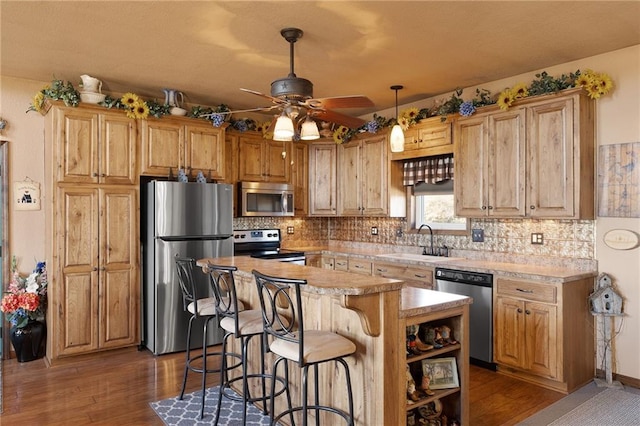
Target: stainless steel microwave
[265, 199]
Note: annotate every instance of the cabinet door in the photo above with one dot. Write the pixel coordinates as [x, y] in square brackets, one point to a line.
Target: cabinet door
[506, 164]
[300, 177]
[162, 147]
[350, 184]
[77, 140]
[374, 176]
[117, 149]
[551, 159]
[509, 332]
[322, 179]
[277, 161]
[250, 158]
[118, 270]
[470, 167]
[205, 151]
[541, 331]
[75, 300]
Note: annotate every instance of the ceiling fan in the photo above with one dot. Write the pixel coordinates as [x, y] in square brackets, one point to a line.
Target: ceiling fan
[293, 97]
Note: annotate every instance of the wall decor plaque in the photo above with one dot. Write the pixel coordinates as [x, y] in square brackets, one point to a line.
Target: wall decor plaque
[26, 195]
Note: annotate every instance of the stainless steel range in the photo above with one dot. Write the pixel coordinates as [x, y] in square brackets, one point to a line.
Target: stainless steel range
[264, 244]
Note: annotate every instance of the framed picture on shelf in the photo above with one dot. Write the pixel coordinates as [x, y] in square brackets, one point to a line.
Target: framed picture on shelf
[442, 372]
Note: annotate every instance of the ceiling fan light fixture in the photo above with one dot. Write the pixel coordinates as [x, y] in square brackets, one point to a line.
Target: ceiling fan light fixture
[396, 139]
[284, 129]
[309, 130]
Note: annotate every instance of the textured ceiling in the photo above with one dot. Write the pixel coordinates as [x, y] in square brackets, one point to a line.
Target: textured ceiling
[209, 49]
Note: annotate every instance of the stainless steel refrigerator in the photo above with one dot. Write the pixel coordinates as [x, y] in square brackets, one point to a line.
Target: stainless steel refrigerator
[187, 219]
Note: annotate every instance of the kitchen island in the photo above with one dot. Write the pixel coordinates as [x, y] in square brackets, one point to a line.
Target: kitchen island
[373, 312]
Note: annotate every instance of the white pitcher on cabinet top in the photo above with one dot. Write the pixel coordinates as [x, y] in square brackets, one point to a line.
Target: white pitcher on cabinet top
[91, 84]
[173, 98]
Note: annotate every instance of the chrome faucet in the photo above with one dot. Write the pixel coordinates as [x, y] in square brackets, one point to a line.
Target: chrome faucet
[424, 248]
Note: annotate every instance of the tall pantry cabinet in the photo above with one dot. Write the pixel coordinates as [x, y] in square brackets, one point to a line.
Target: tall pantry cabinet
[92, 227]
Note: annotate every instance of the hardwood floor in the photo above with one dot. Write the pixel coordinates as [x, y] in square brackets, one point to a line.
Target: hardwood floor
[116, 388]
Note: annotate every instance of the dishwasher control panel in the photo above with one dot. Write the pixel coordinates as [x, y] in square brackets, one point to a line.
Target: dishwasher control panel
[468, 277]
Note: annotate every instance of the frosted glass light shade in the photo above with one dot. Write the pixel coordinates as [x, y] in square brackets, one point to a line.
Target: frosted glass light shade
[309, 130]
[397, 139]
[284, 129]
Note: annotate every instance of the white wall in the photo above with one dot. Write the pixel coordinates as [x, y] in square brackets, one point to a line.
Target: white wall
[618, 121]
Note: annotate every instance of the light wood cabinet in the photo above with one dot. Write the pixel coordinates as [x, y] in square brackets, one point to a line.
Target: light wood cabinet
[98, 295]
[432, 136]
[369, 183]
[454, 400]
[543, 332]
[95, 147]
[169, 144]
[414, 276]
[263, 160]
[533, 160]
[314, 260]
[323, 179]
[359, 266]
[300, 177]
[92, 231]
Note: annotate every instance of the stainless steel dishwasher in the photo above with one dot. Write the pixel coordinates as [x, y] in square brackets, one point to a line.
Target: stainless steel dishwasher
[478, 286]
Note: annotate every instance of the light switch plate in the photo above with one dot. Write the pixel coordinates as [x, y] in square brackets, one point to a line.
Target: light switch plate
[537, 238]
[374, 230]
[289, 229]
[477, 235]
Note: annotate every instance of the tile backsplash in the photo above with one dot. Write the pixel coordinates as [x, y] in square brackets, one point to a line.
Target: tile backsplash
[568, 239]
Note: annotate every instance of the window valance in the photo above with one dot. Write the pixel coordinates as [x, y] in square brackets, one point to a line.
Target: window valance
[428, 169]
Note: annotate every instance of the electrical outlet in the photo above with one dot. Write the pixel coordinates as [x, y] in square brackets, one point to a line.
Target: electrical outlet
[537, 238]
[289, 229]
[477, 235]
[374, 230]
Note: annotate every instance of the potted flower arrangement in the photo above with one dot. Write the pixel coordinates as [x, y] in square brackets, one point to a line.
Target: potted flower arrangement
[24, 306]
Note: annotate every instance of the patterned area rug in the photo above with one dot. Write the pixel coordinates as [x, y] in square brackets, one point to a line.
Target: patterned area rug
[591, 406]
[173, 411]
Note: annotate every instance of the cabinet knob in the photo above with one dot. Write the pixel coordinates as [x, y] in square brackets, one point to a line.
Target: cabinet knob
[95, 269]
[95, 174]
[490, 207]
[519, 310]
[103, 175]
[532, 207]
[528, 312]
[484, 207]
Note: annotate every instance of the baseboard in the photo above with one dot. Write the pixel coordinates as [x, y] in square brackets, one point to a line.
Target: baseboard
[625, 380]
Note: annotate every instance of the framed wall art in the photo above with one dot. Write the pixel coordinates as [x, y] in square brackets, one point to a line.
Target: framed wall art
[442, 372]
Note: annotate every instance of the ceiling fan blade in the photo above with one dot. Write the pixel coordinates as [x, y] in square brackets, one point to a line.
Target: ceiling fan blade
[355, 101]
[336, 117]
[271, 98]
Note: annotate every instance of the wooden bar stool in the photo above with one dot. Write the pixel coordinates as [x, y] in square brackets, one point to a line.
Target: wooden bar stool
[283, 319]
[243, 325]
[200, 308]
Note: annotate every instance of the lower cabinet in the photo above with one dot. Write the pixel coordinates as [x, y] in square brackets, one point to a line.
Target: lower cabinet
[544, 332]
[436, 385]
[314, 260]
[95, 304]
[412, 275]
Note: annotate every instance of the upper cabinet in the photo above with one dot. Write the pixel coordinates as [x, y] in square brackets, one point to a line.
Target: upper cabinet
[300, 177]
[323, 179]
[534, 160]
[263, 160]
[95, 147]
[170, 144]
[432, 136]
[355, 179]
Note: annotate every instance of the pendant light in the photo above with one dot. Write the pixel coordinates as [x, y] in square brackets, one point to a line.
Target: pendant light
[284, 128]
[397, 135]
[309, 130]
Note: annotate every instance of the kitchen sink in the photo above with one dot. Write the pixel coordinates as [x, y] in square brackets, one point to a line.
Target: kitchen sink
[418, 257]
